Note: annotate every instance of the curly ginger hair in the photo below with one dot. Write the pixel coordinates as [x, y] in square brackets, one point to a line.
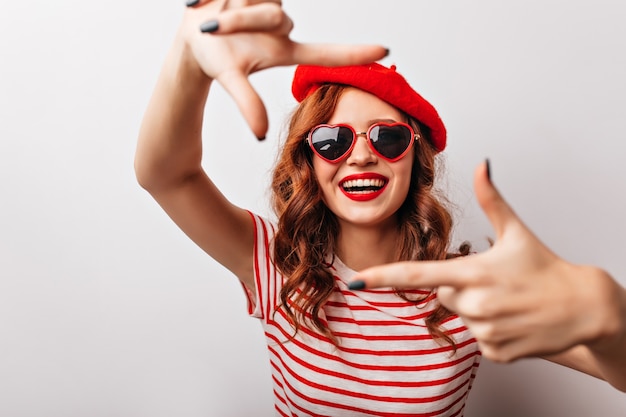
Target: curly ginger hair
[307, 228]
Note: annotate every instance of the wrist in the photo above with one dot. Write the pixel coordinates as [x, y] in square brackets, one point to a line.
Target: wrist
[182, 63]
[609, 301]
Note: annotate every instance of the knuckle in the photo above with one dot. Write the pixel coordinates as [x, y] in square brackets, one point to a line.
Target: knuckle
[496, 352]
[405, 269]
[492, 352]
[273, 14]
[477, 273]
[289, 24]
[486, 332]
[477, 303]
[233, 4]
[446, 296]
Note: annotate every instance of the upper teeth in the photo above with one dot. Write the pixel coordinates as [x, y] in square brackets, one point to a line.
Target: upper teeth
[368, 182]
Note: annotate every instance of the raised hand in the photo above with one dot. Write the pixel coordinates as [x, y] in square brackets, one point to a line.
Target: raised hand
[518, 298]
[241, 37]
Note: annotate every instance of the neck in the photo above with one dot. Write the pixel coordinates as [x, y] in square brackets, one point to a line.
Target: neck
[361, 247]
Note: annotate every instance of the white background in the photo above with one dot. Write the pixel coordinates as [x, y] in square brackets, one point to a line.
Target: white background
[106, 308]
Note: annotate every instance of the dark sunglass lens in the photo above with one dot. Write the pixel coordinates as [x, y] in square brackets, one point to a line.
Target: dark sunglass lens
[390, 141]
[332, 142]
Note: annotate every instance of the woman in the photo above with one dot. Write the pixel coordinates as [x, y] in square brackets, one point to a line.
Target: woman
[341, 209]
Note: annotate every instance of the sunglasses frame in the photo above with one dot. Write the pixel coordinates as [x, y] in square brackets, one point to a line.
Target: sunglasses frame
[414, 138]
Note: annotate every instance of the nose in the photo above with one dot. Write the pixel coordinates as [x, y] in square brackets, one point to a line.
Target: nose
[361, 154]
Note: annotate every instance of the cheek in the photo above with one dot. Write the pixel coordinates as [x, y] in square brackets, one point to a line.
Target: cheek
[405, 183]
[405, 171]
[404, 177]
[324, 172]
[316, 168]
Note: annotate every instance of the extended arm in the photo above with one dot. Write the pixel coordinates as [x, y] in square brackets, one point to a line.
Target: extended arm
[168, 164]
[519, 299]
[250, 36]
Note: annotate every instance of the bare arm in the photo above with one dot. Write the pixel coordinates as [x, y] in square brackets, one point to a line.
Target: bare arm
[249, 36]
[605, 355]
[168, 165]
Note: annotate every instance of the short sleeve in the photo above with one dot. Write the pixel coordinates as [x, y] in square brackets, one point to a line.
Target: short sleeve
[267, 280]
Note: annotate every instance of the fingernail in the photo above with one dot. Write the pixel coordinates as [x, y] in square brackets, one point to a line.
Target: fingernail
[488, 164]
[356, 285]
[191, 3]
[387, 52]
[209, 27]
[260, 138]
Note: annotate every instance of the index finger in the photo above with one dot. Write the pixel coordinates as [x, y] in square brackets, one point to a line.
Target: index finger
[250, 104]
[334, 55]
[455, 272]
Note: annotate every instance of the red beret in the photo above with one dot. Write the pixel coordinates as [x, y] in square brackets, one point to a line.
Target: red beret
[385, 83]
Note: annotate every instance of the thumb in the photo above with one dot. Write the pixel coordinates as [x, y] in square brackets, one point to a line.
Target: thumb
[498, 211]
[250, 104]
[337, 54]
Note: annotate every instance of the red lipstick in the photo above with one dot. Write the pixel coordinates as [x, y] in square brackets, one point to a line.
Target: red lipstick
[363, 187]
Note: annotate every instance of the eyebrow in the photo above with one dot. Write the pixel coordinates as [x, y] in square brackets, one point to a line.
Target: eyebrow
[371, 122]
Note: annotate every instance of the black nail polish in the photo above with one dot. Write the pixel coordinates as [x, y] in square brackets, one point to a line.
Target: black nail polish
[209, 27]
[260, 138]
[387, 52]
[356, 285]
[488, 165]
[191, 3]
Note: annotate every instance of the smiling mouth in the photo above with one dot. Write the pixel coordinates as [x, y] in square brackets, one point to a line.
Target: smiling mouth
[363, 186]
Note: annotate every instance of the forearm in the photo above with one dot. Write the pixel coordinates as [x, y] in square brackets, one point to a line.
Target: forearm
[169, 147]
[609, 355]
[604, 356]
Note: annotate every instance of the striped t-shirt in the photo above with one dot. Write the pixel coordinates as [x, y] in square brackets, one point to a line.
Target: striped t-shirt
[386, 363]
